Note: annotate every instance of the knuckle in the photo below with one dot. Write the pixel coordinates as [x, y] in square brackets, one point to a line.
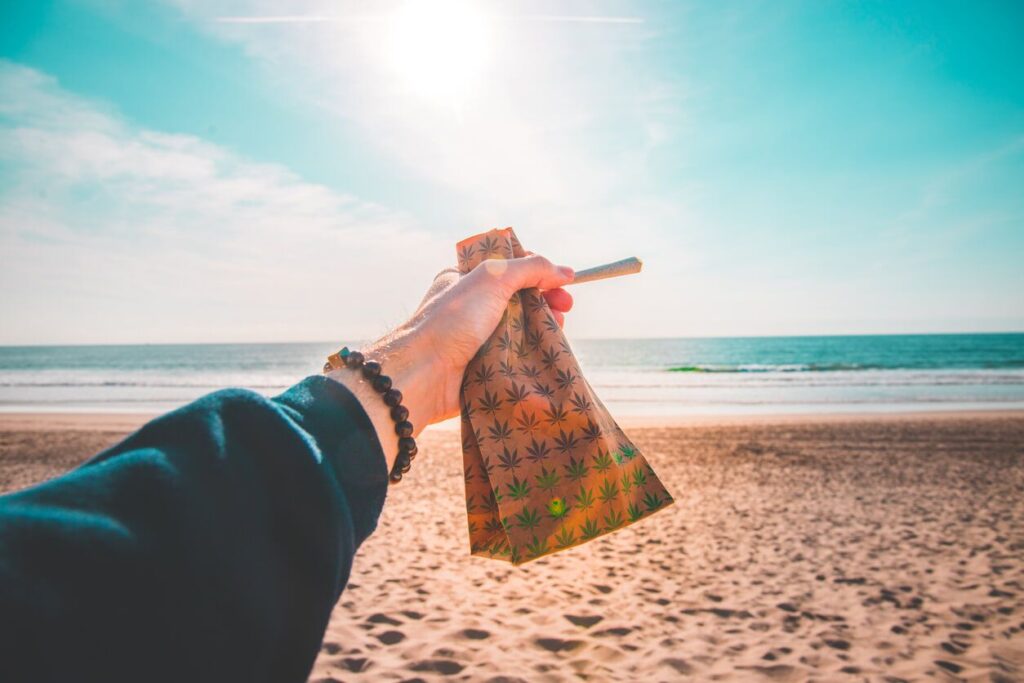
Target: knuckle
[496, 269]
[539, 261]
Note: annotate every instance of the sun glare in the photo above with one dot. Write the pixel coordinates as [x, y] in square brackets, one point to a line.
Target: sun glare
[439, 47]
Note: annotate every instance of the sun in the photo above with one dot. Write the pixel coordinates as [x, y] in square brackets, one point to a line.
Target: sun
[439, 48]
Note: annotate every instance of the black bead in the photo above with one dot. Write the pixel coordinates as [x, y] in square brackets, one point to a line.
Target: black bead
[399, 413]
[381, 383]
[407, 444]
[404, 428]
[371, 369]
[402, 460]
[354, 359]
[406, 468]
[392, 397]
[396, 476]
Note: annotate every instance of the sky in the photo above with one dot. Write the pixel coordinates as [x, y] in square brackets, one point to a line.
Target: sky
[245, 170]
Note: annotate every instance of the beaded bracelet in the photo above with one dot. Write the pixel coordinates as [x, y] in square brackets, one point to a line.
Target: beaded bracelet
[392, 398]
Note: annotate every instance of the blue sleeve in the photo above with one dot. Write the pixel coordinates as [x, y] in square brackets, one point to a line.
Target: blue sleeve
[211, 544]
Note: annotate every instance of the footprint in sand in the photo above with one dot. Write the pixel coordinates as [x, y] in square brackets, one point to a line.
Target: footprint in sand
[474, 634]
[616, 631]
[353, 664]
[445, 667]
[776, 672]
[557, 644]
[838, 643]
[391, 637]
[679, 665]
[379, 618]
[584, 621]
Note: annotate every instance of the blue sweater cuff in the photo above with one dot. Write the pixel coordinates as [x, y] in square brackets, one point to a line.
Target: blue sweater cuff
[345, 436]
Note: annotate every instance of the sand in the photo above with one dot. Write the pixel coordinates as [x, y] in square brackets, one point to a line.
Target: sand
[798, 549]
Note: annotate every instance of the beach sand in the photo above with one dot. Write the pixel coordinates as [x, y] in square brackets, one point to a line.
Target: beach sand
[798, 549]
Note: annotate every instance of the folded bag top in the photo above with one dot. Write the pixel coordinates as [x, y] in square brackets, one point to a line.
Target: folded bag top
[546, 466]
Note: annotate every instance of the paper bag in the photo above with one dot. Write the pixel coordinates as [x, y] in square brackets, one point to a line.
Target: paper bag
[546, 466]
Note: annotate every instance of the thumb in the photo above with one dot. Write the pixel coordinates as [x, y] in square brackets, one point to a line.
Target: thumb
[533, 271]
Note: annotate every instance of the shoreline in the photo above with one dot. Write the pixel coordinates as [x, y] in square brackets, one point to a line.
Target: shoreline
[111, 421]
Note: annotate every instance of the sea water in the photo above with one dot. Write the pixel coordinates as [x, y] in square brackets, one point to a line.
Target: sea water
[650, 377]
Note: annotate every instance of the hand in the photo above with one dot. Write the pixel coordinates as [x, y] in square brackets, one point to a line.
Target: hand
[427, 355]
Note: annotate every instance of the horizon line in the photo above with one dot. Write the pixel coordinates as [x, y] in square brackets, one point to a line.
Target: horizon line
[659, 338]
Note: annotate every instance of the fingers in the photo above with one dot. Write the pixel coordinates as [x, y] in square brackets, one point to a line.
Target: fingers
[531, 271]
[559, 300]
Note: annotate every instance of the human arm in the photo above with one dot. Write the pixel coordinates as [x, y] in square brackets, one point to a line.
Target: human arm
[213, 543]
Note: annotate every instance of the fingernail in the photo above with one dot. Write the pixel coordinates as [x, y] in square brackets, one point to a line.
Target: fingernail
[566, 271]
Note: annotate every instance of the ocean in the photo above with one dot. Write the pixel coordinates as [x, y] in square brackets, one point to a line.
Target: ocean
[649, 377]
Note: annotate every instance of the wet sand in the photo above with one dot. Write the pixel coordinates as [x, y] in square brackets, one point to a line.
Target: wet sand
[821, 549]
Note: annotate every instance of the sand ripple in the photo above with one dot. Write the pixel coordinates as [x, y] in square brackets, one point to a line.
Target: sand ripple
[885, 550]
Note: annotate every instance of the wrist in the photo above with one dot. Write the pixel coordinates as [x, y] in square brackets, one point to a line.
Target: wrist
[400, 360]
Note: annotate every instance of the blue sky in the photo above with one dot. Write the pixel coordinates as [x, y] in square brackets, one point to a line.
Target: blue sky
[781, 167]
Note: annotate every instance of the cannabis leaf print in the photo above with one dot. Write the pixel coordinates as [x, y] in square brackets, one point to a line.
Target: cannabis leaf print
[490, 403]
[565, 379]
[589, 530]
[528, 423]
[602, 461]
[537, 548]
[609, 491]
[500, 431]
[584, 499]
[551, 323]
[529, 371]
[566, 442]
[549, 358]
[613, 520]
[565, 537]
[516, 393]
[575, 469]
[509, 460]
[521, 349]
[545, 466]
[507, 370]
[533, 339]
[528, 519]
[465, 255]
[543, 390]
[489, 246]
[556, 414]
[582, 405]
[537, 450]
[547, 480]
[652, 501]
[517, 490]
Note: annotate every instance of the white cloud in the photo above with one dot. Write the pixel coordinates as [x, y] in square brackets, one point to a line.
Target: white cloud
[559, 115]
[111, 232]
[554, 138]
